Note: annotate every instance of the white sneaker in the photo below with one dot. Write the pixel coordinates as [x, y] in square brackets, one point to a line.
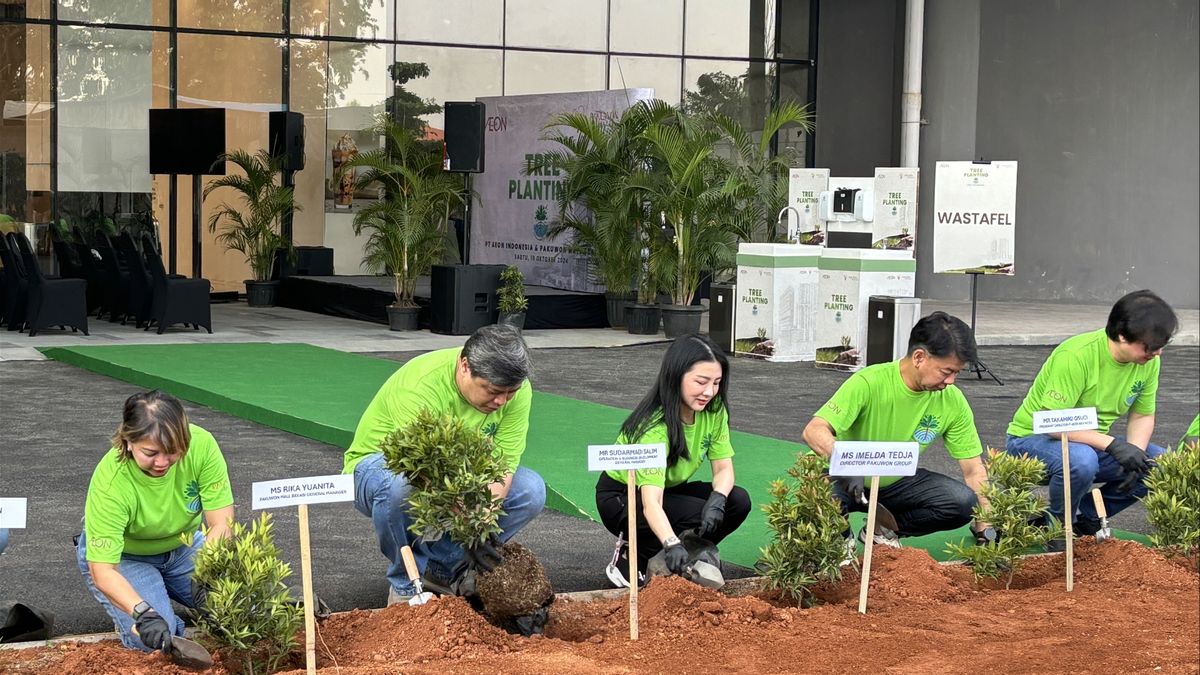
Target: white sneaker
[615, 571]
[396, 598]
[882, 536]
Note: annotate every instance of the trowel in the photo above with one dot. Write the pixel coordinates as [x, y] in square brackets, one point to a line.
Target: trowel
[187, 653]
[704, 563]
[1105, 532]
[410, 568]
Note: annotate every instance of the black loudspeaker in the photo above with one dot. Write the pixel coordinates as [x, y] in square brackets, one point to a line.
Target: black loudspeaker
[890, 322]
[463, 297]
[187, 141]
[464, 136]
[287, 137]
[722, 299]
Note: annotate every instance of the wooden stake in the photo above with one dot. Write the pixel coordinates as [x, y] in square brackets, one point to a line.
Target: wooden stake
[1068, 516]
[870, 546]
[631, 532]
[310, 632]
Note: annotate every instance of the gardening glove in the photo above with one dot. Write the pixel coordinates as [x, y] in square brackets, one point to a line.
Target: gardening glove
[1129, 456]
[712, 515]
[676, 558]
[484, 556]
[153, 630]
[853, 486]
[1131, 480]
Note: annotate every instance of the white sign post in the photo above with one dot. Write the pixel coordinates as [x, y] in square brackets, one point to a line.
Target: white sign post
[629, 458]
[301, 492]
[13, 512]
[873, 459]
[1061, 422]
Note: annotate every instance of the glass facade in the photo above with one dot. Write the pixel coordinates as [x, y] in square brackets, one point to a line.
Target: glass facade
[78, 77]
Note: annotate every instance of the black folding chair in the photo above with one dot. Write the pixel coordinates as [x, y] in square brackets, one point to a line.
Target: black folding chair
[116, 280]
[176, 300]
[52, 302]
[139, 295]
[16, 286]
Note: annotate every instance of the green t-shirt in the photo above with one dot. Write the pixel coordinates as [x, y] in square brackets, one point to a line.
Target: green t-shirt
[1191, 435]
[1081, 373]
[874, 404]
[427, 381]
[707, 437]
[130, 512]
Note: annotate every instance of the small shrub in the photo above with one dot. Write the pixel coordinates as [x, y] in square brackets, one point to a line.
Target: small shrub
[248, 614]
[807, 543]
[450, 467]
[1013, 509]
[511, 294]
[1173, 503]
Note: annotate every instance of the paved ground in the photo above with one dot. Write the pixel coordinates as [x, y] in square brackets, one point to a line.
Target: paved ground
[56, 421]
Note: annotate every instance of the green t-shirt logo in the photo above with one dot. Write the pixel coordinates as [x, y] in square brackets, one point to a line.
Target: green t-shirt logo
[490, 429]
[926, 430]
[192, 492]
[1135, 391]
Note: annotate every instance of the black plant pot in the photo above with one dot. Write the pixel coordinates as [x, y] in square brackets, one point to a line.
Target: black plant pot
[402, 318]
[615, 304]
[261, 293]
[514, 319]
[642, 319]
[680, 320]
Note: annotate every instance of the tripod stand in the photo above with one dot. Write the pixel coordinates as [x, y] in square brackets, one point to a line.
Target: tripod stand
[978, 367]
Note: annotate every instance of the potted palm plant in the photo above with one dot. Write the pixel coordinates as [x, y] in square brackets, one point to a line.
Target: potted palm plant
[406, 227]
[511, 300]
[254, 231]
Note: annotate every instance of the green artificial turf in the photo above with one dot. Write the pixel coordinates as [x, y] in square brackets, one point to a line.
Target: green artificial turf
[320, 394]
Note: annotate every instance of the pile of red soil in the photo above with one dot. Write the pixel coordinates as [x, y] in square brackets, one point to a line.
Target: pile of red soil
[1131, 611]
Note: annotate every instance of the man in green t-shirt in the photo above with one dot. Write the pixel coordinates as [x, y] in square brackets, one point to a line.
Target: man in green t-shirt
[485, 384]
[1116, 370]
[1192, 435]
[913, 399]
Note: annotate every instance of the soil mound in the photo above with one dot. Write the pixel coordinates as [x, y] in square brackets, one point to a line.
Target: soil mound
[905, 575]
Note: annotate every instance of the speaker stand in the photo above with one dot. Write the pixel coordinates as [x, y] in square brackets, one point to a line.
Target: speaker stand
[470, 197]
[196, 232]
[978, 367]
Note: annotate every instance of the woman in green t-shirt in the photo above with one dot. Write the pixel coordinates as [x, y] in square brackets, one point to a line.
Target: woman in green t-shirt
[687, 409]
[161, 479]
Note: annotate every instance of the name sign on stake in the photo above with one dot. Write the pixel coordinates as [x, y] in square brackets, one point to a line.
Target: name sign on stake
[1062, 422]
[870, 458]
[273, 494]
[12, 512]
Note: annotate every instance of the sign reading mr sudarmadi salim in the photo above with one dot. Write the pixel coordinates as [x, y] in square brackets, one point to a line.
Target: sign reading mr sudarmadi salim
[627, 457]
[974, 217]
[273, 494]
[871, 458]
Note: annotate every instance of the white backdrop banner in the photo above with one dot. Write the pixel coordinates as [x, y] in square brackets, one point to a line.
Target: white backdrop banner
[517, 192]
[974, 217]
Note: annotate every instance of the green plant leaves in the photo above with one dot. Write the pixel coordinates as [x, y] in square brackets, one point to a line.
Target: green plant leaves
[1173, 502]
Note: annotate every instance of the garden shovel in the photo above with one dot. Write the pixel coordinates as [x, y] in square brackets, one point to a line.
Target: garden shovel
[1105, 532]
[187, 653]
[410, 568]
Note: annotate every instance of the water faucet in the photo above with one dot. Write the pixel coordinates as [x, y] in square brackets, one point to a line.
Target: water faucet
[791, 236]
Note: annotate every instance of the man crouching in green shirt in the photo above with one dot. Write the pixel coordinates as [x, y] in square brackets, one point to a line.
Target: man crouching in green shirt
[913, 399]
[1114, 369]
[485, 384]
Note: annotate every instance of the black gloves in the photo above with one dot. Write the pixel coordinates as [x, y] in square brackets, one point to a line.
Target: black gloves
[199, 596]
[1131, 458]
[484, 556]
[853, 486]
[153, 630]
[712, 515]
[1130, 481]
[676, 557]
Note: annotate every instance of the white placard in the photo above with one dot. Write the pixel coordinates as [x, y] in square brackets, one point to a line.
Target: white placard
[872, 458]
[273, 494]
[1058, 421]
[974, 217]
[12, 512]
[627, 457]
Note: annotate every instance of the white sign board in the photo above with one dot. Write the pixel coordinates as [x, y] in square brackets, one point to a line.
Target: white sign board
[272, 494]
[627, 457]
[1059, 421]
[894, 227]
[12, 512]
[872, 458]
[804, 188]
[974, 217]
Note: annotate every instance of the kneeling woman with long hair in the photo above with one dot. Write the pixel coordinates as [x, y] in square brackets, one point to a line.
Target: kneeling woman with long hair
[161, 478]
[687, 409]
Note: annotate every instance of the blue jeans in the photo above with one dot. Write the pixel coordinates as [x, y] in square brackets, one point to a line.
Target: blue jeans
[1088, 465]
[382, 496]
[3, 539]
[159, 579]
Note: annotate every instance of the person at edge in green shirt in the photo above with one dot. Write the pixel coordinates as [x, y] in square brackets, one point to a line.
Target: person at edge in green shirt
[913, 399]
[688, 410]
[1116, 370]
[161, 480]
[486, 385]
[1192, 435]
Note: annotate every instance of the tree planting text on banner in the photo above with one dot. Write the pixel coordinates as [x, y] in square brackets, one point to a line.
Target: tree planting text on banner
[518, 192]
[974, 217]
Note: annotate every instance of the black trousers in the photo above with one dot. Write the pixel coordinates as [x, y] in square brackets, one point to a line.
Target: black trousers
[682, 503]
[924, 503]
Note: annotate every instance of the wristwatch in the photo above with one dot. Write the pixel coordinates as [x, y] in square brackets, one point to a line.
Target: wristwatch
[670, 541]
[985, 536]
[139, 609]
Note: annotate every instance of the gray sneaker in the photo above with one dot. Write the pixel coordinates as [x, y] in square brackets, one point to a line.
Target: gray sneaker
[396, 597]
[882, 536]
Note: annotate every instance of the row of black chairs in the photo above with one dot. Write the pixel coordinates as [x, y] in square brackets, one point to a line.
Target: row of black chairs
[36, 301]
